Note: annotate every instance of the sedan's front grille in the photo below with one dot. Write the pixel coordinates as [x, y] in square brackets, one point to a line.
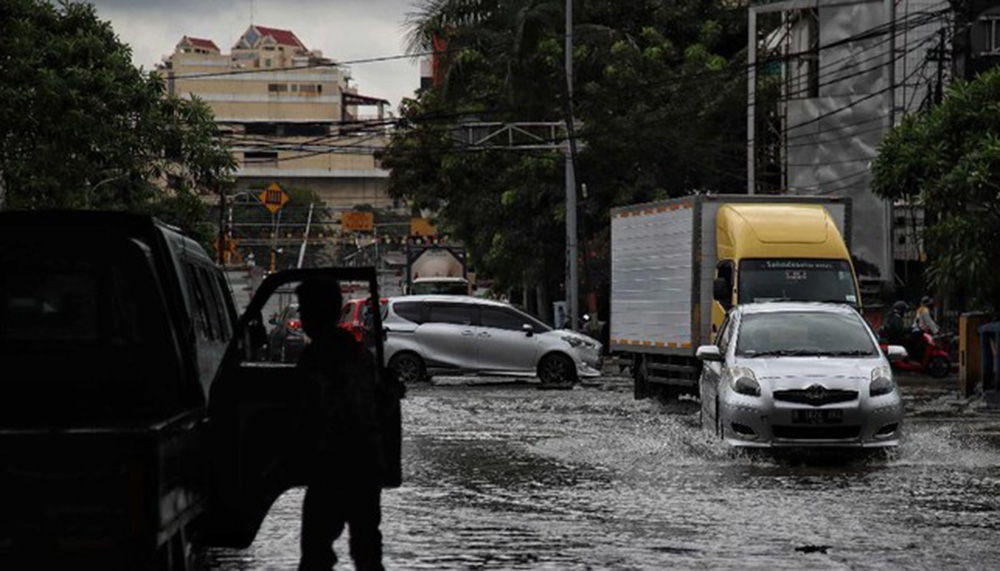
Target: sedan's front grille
[816, 395]
[816, 432]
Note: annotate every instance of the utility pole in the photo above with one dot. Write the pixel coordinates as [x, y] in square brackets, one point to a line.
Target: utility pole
[572, 254]
[305, 237]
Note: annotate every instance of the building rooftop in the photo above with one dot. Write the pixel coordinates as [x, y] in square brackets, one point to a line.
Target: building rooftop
[281, 37]
[202, 43]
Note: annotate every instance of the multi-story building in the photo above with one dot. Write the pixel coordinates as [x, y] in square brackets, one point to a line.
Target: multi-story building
[292, 116]
[977, 38]
[828, 80]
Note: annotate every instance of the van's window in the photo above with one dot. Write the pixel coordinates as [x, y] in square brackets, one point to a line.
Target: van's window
[409, 310]
[225, 293]
[217, 313]
[203, 321]
[347, 313]
[797, 280]
[50, 305]
[500, 318]
[455, 313]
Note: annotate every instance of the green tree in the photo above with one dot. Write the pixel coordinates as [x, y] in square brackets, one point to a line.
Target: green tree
[81, 127]
[660, 90]
[948, 161]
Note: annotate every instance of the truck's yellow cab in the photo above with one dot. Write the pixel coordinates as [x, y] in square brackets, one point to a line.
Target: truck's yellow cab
[769, 251]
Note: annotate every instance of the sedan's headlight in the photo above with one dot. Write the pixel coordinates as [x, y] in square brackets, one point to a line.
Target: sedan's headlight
[745, 382]
[576, 342]
[882, 383]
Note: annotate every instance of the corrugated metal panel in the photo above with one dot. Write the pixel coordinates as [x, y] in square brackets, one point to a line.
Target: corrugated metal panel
[651, 275]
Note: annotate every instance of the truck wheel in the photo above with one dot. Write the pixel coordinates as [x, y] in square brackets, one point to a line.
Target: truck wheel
[668, 394]
[409, 368]
[938, 367]
[556, 369]
[640, 382]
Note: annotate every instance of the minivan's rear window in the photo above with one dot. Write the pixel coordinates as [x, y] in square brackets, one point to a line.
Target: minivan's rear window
[410, 310]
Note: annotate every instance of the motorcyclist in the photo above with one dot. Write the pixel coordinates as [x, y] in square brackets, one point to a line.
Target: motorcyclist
[923, 324]
[894, 331]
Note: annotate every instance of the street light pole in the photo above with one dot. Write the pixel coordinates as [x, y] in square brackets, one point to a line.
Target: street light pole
[572, 278]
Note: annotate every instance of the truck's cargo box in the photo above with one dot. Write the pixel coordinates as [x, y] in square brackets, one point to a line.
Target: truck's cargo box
[663, 261]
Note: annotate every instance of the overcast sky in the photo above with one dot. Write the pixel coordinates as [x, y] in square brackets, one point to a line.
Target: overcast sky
[342, 29]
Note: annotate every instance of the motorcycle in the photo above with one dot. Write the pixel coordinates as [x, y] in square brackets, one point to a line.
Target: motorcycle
[935, 361]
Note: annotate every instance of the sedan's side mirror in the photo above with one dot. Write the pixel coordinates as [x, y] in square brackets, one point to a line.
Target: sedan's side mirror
[273, 320]
[708, 353]
[895, 352]
[528, 329]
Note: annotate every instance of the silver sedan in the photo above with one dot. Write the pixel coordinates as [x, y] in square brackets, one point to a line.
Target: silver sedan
[799, 375]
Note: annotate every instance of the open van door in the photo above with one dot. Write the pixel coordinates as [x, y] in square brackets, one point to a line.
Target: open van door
[256, 399]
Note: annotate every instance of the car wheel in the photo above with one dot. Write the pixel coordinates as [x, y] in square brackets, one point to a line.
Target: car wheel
[409, 368]
[938, 367]
[556, 369]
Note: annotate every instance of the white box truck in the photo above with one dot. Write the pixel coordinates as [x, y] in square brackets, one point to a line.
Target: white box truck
[678, 265]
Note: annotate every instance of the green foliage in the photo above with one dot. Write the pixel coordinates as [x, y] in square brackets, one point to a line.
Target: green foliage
[948, 160]
[80, 127]
[660, 89]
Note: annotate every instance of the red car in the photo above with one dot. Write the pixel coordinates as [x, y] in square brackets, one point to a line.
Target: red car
[354, 316]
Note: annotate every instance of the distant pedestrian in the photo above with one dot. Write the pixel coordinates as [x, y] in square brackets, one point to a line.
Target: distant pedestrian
[345, 476]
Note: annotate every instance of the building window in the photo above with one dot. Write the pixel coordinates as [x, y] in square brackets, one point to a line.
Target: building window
[260, 158]
[267, 62]
[319, 89]
[991, 35]
[307, 88]
[277, 87]
[261, 129]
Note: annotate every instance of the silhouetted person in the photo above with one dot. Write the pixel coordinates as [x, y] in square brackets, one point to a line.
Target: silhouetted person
[894, 330]
[344, 482]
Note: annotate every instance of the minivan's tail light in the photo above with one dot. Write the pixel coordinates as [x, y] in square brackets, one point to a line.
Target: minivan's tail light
[294, 324]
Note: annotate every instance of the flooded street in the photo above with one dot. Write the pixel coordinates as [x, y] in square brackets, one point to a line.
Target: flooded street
[505, 476]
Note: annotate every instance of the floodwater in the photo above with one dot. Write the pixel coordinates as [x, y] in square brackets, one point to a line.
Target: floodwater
[507, 476]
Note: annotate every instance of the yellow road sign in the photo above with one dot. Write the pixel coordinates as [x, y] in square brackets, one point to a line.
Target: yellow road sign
[273, 197]
[354, 220]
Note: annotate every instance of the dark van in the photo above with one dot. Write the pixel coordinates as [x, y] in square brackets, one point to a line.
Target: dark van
[112, 327]
[136, 411]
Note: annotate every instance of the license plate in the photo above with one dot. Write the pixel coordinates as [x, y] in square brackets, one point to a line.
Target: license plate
[833, 416]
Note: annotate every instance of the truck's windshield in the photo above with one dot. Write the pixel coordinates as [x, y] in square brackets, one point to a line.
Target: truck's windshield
[440, 288]
[797, 280]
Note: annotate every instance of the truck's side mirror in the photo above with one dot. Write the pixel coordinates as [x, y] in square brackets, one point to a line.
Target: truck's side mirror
[722, 287]
[722, 291]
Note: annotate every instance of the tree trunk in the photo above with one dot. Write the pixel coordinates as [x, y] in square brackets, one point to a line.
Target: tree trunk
[542, 298]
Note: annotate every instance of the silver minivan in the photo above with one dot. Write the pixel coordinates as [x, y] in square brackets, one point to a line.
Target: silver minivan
[435, 334]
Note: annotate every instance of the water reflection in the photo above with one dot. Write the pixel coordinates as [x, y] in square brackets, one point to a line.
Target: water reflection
[513, 478]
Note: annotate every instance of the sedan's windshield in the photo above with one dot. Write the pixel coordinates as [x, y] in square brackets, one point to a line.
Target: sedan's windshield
[793, 333]
[797, 280]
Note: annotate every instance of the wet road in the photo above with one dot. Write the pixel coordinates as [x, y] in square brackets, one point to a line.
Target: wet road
[511, 477]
